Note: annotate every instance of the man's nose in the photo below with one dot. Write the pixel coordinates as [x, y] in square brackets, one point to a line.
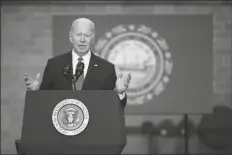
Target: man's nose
[82, 38]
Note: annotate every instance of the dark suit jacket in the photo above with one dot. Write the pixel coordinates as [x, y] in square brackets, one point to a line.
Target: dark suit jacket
[100, 77]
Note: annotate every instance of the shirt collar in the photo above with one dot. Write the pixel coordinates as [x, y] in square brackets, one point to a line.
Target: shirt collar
[86, 57]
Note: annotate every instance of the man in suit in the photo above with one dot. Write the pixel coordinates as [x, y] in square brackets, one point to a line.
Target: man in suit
[96, 74]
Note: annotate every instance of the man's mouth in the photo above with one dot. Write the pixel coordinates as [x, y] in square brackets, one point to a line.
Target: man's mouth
[82, 46]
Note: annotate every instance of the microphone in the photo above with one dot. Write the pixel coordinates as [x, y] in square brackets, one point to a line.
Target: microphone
[79, 70]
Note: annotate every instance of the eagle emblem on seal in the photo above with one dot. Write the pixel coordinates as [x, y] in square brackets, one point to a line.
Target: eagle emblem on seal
[70, 117]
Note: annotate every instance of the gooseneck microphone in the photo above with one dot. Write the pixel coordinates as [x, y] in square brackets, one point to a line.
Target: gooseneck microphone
[79, 71]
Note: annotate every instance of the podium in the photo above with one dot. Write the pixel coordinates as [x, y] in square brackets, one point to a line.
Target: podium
[72, 122]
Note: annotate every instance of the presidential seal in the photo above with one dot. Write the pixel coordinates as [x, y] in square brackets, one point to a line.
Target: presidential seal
[70, 117]
[142, 52]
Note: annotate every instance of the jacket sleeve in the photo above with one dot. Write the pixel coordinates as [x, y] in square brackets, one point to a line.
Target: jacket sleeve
[46, 83]
[124, 100]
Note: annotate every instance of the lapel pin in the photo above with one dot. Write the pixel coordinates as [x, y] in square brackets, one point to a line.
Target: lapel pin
[95, 65]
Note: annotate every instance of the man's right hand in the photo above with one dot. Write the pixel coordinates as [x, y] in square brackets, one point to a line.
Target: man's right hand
[32, 84]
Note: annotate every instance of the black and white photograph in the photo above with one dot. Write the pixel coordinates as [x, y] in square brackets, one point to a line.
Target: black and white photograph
[116, 77]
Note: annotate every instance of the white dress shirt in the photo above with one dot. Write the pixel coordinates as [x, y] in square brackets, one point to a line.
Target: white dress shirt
[86, 60]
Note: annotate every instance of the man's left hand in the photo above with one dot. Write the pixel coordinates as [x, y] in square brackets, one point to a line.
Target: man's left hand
[122, 82]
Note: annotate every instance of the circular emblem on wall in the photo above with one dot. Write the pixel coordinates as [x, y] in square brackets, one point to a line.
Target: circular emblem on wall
[70, 117]
[142, 52]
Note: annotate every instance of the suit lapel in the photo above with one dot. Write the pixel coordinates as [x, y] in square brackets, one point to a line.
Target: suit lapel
[68, 61]
[90, 73]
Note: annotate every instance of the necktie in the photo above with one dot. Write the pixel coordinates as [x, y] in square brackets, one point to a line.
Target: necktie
[80, 70]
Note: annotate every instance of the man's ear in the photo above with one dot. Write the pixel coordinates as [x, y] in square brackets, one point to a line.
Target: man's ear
[93, 38]
[93, 33]
[70, 37]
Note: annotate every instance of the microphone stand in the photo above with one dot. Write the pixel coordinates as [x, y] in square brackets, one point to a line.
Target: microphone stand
[74, 82]
[77, 74]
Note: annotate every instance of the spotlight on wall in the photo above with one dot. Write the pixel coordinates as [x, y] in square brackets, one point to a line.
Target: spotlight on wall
[181, 127]
[166, 128]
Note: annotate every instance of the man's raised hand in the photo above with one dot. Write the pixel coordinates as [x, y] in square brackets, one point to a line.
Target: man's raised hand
[32, 84]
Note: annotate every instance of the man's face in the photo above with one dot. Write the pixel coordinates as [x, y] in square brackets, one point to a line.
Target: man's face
[82, 36]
